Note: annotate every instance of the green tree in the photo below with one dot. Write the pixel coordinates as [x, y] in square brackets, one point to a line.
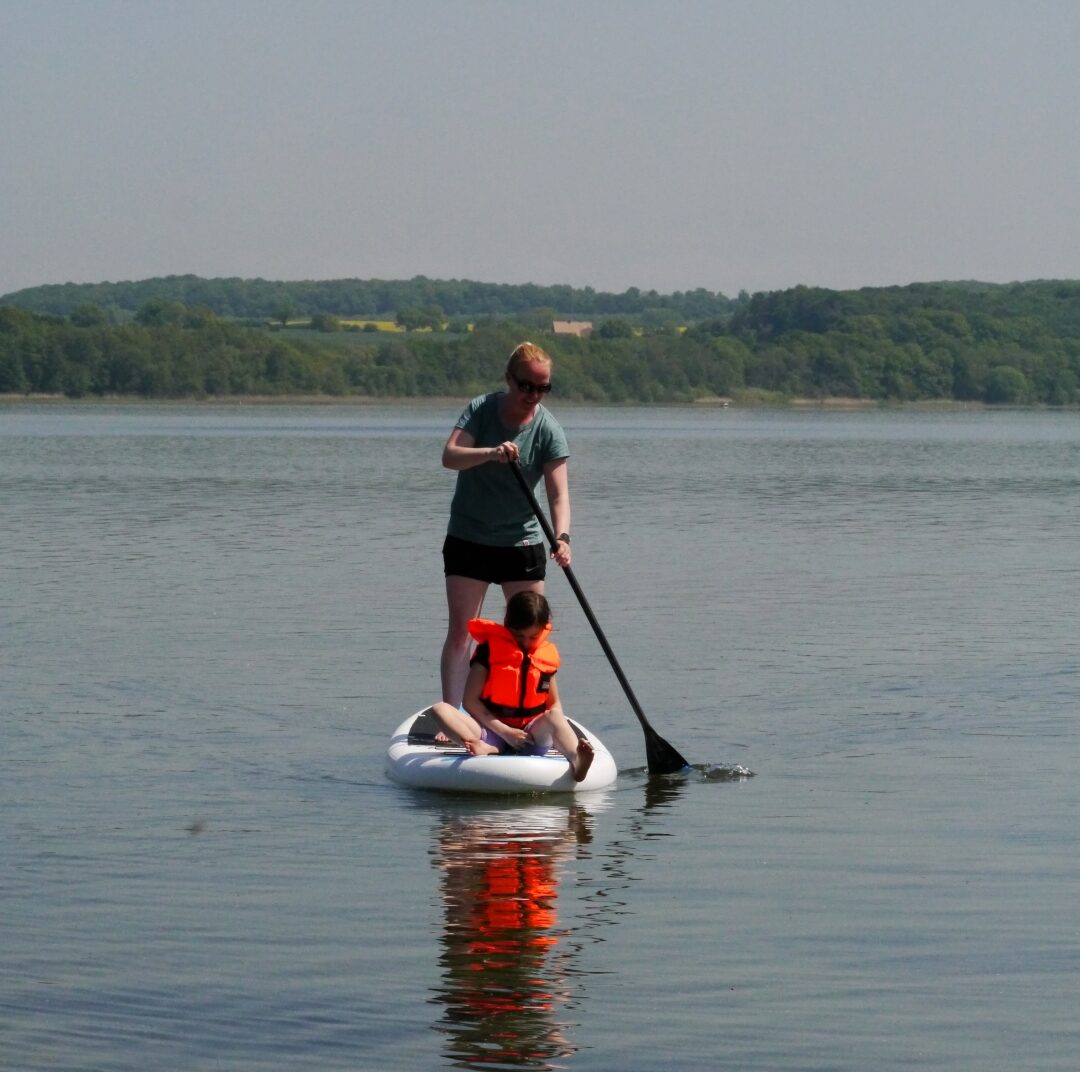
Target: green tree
[325, 322]
[416, 317]
[1006, 386]
[409, 317]
[156, 312]
[88, 315]
[12, 374]
[198, 316]
[615, 328]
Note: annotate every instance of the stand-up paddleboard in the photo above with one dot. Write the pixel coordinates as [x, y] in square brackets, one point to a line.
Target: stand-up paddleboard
[416, 759]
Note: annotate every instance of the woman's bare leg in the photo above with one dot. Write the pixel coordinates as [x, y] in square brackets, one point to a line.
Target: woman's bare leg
[464, 601]
[511, 588]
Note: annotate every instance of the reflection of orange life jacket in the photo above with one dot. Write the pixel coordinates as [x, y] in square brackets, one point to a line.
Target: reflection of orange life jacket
[515, 903]
[518, 686]
[508, 937]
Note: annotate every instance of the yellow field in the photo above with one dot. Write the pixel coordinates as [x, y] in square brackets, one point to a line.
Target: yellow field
[380, 325]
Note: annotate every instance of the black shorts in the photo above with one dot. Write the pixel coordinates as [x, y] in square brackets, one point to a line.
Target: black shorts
[496, 565]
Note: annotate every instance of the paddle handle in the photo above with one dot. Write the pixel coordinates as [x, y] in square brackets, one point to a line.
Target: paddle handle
[549, 532]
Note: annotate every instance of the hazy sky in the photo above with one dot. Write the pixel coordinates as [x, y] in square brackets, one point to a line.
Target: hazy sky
[665, 144]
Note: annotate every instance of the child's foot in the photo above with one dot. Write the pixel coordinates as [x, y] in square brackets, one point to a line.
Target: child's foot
[583, 760]
[480, 748]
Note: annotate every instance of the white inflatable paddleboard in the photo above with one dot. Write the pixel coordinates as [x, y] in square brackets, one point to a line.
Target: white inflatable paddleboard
[416, 759]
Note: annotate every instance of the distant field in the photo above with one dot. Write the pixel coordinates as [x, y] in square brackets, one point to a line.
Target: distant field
[390, 325]
[358, 325]
[349, 322]
[380, 325]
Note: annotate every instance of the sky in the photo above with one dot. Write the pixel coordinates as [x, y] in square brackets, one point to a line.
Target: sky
[658, 144]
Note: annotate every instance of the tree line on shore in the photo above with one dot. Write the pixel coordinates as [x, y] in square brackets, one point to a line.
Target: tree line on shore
[1016, 343]
[264, 299]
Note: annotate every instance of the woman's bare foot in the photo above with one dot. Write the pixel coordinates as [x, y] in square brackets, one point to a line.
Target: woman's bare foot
[480, 748]
[583, 760]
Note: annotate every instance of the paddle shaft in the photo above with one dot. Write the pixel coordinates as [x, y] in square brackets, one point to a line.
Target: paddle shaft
[549, 532]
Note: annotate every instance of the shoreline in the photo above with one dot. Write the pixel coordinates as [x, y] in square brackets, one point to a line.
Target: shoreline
[329, 401]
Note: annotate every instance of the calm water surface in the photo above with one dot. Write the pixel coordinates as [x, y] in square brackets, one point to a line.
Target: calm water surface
[212, 617]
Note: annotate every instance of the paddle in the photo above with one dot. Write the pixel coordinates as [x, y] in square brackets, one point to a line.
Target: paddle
[662, 758]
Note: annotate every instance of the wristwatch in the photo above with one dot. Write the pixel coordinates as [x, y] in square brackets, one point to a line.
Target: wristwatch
[563, 537]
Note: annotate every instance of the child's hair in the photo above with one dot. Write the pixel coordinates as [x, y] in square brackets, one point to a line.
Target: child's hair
[527, 610]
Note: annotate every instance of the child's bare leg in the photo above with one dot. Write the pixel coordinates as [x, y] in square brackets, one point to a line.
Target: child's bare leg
[578, 751]
[462, 727]
[479, 747]
[583, 761]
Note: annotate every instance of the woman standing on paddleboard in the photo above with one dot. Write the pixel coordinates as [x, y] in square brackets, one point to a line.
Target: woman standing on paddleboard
[493, 536]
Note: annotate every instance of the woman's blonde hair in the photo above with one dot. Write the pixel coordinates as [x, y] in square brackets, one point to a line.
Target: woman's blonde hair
[525, 353]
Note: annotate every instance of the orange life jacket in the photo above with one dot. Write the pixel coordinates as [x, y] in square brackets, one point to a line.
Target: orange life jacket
[518, 686]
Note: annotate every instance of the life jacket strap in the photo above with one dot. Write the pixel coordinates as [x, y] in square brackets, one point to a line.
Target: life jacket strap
[513, 716]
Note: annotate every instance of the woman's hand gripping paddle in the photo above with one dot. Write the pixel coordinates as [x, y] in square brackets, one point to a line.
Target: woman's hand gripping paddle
[662, 758]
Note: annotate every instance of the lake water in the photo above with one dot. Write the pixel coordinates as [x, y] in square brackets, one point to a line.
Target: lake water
[211, 618]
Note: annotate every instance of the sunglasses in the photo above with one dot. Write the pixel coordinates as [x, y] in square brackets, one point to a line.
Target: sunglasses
[528, 387]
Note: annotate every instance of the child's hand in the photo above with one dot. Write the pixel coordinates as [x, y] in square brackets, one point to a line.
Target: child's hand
[516, 738]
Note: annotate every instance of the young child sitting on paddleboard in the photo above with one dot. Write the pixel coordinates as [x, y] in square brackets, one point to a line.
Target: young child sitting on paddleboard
[511, 700]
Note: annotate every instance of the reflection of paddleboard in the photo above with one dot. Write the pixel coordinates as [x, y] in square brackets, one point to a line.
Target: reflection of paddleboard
[415, 758]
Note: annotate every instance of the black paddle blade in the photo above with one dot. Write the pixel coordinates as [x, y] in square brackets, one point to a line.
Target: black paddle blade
[661, 757]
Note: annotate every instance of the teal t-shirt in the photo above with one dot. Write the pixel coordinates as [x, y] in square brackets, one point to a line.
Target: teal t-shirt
[489, 506]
